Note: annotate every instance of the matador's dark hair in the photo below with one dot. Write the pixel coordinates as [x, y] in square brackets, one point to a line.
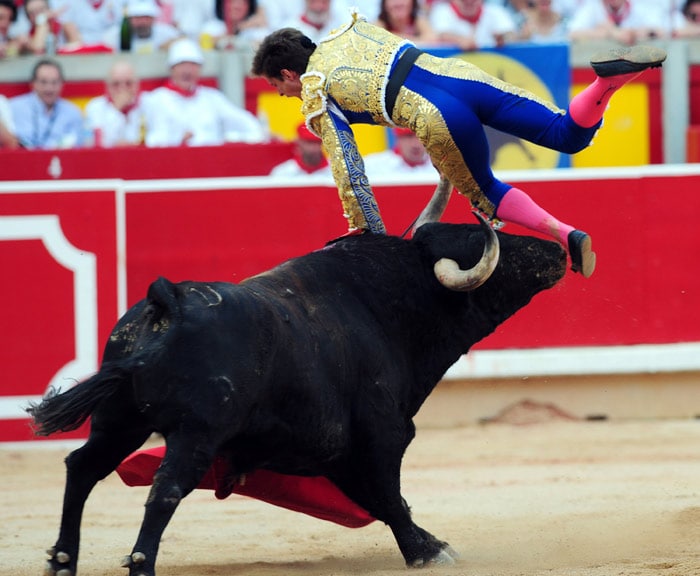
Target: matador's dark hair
[286, 48]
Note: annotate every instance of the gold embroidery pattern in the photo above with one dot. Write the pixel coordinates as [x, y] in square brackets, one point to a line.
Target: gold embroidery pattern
[359, 205]
[313, 98]
[356, 64]
[424, 118]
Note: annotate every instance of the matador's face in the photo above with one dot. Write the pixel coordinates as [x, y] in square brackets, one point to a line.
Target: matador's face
[288, 85]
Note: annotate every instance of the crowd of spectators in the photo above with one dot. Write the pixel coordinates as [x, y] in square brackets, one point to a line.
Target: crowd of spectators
[66, 26]
[182, 112]
[197, 115]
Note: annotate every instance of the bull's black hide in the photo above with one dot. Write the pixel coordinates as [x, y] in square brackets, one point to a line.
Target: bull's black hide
[315, 367]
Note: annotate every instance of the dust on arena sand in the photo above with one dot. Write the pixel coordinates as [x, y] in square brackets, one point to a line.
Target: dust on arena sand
[550, 497]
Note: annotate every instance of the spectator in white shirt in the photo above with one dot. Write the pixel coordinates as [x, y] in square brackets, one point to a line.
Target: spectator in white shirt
[317, 19]
[236, 22]
[542, 24]
[116, 118]
[624, 21]
[143, 33]
[190, 16]
[471, 24]
[46, 30]
[308, 160]
[184, 113]
[93, 18]
[408, 156]
[280, 13]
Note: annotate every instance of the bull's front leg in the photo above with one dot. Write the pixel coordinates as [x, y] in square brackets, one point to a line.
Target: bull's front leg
[376, 486]
[419, 547]
[187, 459]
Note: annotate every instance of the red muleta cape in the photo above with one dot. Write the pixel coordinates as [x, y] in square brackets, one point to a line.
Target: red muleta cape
[316, 496]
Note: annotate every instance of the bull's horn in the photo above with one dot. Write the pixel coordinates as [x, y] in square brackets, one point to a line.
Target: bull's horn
[451, 276]
[436, 206]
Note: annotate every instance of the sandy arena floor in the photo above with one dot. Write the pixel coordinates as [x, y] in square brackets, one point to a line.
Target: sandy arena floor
[554, 498]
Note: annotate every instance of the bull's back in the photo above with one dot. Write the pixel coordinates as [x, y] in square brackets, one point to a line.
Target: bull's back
[138, 329]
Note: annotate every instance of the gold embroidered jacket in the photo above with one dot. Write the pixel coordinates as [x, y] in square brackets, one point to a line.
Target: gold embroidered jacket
[345, 83]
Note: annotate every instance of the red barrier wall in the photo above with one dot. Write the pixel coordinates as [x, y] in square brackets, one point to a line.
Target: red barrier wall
[59, 308]
[140, 163]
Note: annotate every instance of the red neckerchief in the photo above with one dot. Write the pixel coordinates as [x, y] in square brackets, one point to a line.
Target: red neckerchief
[618, 16]
[128, 108]
[471, 19]
[182, 92]
[306, 167]
[305, 20]
[96, 4]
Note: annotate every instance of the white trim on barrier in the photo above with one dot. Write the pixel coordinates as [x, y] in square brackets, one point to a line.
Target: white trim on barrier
[247, 182]
[12, 407]
[52, 186]
[47, 228]
[534, 362]
[120, 233]
[580, 360]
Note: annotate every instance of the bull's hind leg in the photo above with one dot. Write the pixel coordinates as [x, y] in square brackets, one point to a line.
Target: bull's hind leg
[188, 456]
[86, 466]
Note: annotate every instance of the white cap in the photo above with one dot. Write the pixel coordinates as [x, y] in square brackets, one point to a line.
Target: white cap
[142, 8]
[184, 50]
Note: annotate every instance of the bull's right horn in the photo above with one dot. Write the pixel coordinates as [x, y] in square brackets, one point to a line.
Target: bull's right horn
[450, 275]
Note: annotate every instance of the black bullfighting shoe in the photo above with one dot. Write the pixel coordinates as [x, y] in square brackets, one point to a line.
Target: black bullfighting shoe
[617, 61]
[582, 257]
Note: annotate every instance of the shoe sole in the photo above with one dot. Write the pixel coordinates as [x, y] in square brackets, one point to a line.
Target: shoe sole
[618, 61]
[588, 259]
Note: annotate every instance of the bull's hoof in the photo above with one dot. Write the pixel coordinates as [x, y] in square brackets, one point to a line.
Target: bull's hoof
[445, 557]
[136, 563]
[58, 564]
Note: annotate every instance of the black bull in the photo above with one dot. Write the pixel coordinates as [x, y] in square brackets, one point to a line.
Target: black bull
[316, 367]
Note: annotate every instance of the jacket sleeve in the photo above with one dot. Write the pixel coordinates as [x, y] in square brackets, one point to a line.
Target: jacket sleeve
[328, 122]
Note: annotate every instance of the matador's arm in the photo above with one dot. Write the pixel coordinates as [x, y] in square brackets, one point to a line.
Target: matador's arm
[328, 122]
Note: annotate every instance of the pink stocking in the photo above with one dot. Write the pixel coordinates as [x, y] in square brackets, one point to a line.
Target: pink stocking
[517, 207]
[587, 107]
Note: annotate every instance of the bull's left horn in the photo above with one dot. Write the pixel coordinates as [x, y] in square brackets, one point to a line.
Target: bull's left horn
[451, 276]
[435, 207]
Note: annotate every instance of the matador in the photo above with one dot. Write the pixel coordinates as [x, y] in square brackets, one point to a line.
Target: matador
[361, 73]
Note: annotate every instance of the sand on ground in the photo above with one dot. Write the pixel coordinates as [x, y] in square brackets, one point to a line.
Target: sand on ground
[562, 497]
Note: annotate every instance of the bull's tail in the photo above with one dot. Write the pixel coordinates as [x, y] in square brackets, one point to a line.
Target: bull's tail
[65, 411]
